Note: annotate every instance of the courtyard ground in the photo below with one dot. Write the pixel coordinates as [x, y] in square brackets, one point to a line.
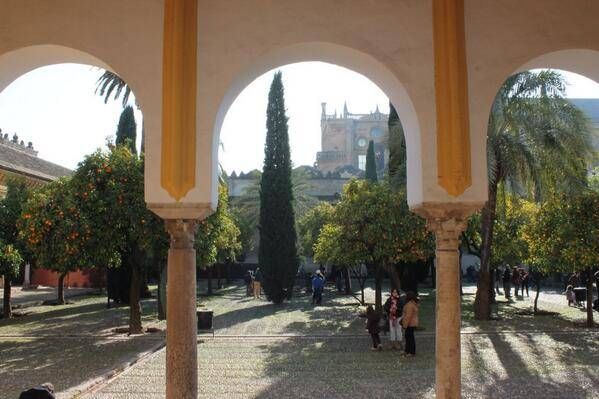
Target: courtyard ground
[32, 297]
[300, 351]
[68, 345]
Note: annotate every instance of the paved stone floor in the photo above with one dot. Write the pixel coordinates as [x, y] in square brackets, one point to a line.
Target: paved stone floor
[261, 351]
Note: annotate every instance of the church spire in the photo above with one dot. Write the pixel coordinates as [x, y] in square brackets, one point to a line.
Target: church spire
[345, 112]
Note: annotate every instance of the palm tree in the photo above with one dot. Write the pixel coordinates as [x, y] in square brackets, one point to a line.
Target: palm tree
[537, 141]
[109, 83]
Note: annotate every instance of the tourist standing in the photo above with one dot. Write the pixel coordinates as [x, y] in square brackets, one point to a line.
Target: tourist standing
[409, 321]
[247, 278]
[516, 280]
[525, 279]
[257, 283]
[317, 287]
[394, 308]
[497, 279]
[372, 325]
[570, 296]
[507, 278]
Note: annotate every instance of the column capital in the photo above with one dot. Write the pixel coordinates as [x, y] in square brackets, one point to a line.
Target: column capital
[447, 220]
[182, 232]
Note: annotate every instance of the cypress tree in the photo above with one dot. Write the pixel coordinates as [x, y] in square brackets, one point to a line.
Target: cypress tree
[126, 132]
[277, 253]
[370, 163]
[397, 151]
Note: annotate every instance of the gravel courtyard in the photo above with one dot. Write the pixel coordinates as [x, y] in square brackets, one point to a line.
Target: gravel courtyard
[300, 351]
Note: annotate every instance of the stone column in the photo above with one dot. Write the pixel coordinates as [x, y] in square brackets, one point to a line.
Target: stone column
[181, 331]
[447, 221]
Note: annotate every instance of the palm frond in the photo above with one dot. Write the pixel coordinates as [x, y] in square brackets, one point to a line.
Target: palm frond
[110, 82]
[532, 127]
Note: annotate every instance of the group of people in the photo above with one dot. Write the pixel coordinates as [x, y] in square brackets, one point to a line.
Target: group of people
[253, 283]
[517, 277]
[401, 317]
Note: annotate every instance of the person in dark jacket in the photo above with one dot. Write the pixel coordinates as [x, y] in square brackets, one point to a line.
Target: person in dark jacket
[372, 325]
[44, 391]
[317, 287]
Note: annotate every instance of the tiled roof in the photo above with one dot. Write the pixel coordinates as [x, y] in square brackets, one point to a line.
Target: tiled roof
[21, 162]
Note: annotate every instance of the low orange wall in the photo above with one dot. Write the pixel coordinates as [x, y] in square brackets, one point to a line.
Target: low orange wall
[94, 278]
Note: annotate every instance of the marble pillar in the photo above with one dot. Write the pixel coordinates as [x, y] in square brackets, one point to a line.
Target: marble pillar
[181, 327]
[447, 221]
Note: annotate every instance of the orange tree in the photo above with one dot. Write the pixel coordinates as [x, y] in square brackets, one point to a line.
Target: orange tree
[10, 260]
[109, 190]
[564, 237]
[373, 225]
[217, 237]
[11, 205]
[57, 234]
[310, 225]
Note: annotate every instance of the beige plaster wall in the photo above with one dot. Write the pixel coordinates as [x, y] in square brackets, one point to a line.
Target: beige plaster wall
[389, 41]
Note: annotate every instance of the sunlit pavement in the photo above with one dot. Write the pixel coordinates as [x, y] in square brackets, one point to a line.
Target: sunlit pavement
[266, 364]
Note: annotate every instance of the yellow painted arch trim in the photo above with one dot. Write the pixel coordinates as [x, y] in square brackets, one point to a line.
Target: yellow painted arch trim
[179, 84]
[451, 97]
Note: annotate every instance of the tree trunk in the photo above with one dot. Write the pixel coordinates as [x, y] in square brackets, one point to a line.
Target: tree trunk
[378, 293]
[492, 285]
[482, 306]
[60, 300]
[363, 302]
[162, 294]
[538, 284]
[6, 303]
[209, 271]
[589, 298]
[347, 278]
[395, 280]
[135, 326]
[219, 274]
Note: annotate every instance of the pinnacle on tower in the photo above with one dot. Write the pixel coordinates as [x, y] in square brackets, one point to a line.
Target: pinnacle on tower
[345, 112]
[323, 115]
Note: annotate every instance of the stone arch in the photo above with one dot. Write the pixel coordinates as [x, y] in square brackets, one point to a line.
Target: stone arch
[584, 62]
[581, 61]
[16, 63]
[347, 57]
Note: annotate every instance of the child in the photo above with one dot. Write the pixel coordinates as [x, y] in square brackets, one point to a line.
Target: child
[570, 296]
[372, 325]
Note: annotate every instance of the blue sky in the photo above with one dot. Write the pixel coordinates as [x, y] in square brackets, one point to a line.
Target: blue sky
[55, 107]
